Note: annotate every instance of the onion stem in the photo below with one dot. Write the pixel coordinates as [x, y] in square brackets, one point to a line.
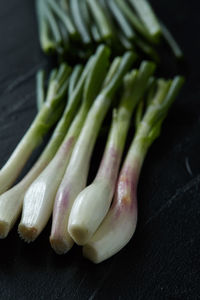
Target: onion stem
[65, 18]
[11, 201]
[45, 119]
[47, 42]
[79, 21]
[74, 78]
[148, 17]
[40, 78]
[126, 28]
[101, 19]
[76, 173]
[134, 20]
[39, 198]
[120, 223]
[92, 204]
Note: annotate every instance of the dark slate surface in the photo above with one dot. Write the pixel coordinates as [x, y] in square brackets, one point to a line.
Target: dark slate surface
[162, 260]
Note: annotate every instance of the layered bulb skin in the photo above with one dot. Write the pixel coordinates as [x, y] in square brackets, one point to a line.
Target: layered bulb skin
[60, 238]
[84, 218]
[39, 198]
[119, 225]
[75, 178]
[10, 207]
[113, 234]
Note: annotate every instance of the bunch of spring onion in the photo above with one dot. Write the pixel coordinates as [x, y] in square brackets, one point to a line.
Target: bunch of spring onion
[119, 224]
[49, 112]
[83, 220]
[39, 198]
[56, 184]
[73, 28]
[75, 177]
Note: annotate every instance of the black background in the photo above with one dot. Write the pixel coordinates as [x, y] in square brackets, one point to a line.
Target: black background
[162, 261]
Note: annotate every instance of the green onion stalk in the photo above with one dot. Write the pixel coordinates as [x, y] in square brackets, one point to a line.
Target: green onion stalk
[39, 198]
[40, 89]
[101, 19]
[44, 121]
[132, 28]
[148, 17]
[79, 21]
[125, 26]
[47, 41]
[12, 200]
[65, 18]
[120, 223]
[134, 20]
[92, 204]
[75, 177]
[74, 78]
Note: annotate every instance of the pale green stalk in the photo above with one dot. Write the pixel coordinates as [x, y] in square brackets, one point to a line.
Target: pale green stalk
[47, 41]
[101, 19]
[40, 78]
[45, 119]
[76, 173]
[134, 20]
[148, 17]
[65, 18]
[11, 201]
[39, 199]
[126, 28]
[120, 223]
[92, 204]
[78, 18]
[78, 69]
[113, 69]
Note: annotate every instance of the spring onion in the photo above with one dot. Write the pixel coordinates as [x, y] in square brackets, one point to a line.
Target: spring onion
[126, 28]
[148, 17]
[39, 199]
[58, 229]
[92, 204]
[65, 18]
[74, 78]
[47, 42]
[79, 21]
[120, 223]
[45, 119]
[102, 21]
[11, 201]
[40, 78]
[76, 173]
[52, 24]
[66, 25]
[134, 20]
